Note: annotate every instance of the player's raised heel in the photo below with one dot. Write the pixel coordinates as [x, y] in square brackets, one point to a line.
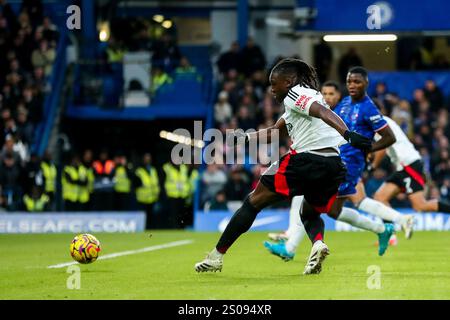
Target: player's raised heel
[209, 265]
[318, 254]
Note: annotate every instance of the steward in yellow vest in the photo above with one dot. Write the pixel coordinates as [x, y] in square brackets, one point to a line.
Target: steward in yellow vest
[36, 201]
[122, 176]
[70, 185]
[85, 179]
[49, 174]
[177, 189]
[146, 183]
[88, 164]
[147, 189]
[176, 183]
[159, 79]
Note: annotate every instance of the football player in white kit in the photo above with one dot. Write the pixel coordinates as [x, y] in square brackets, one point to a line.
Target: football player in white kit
[408, 177]
[313, 167]
[291, 238]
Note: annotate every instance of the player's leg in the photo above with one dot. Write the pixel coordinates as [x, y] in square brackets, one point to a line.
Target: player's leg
[297, 234]
[287, 242]
[413, 180]
[352, 217]
[272, 187]
[386, 192]
[294, 215]
[320, 196]
[420, 204]
[244, 217]
[383, 195]
[240, 223]
[294, 221]
[315, 229]
[286, 249]
[379, 209]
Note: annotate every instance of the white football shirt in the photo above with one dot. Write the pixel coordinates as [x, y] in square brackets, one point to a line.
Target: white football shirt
[402, 152]
[308, 133]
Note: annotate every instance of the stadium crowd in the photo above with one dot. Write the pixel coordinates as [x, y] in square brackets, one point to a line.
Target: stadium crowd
[28, 182]
[27, 51]
[168, 63]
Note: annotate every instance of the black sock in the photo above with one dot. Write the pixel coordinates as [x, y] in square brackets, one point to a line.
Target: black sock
[443, 207]
[315, 228]
[313, 223]
[241, 221]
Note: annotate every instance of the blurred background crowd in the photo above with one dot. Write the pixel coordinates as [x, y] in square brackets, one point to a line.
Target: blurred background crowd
[115, 170]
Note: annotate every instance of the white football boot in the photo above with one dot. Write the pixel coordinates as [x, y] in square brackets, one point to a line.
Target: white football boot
[408, 226]
[319, 252]
[278, 237]
[210, 263]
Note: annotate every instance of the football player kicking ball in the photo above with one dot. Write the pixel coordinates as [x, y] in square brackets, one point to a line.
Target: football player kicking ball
[312, 168]
[286, 249]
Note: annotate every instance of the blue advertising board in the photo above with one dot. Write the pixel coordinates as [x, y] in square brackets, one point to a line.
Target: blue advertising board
[278, 220]
[73, 222]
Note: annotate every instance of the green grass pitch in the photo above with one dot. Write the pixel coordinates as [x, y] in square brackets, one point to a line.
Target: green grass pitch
[415, 269]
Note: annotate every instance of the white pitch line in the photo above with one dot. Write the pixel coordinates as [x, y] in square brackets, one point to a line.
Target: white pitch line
[125, 253]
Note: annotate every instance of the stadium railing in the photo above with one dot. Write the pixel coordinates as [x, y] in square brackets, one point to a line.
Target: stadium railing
[52, 99]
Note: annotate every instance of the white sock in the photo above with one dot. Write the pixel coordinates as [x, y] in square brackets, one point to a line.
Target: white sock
[294, 215]
[214, 254]
[352, 217]
[379, 209]
[297, 234]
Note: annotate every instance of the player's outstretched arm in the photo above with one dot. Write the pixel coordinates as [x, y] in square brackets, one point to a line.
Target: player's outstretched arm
[268, 133]
[387, 139]
[333, 120]
[264, 134]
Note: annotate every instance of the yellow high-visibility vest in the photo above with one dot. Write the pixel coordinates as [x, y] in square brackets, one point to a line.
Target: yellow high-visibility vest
[122, 183]
[91, 179]
[35, 205]
[177, 183]
[159, 80]
[70, 190]
[83, 191]
[149, 191]
[115, 55]
[49, 172]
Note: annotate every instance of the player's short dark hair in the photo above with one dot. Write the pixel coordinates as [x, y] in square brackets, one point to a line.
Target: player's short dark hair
[360, 70]
[331, 83]
[306, 74]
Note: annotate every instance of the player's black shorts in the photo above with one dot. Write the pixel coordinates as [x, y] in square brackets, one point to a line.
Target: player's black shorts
[411, 179]
[316, 177]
